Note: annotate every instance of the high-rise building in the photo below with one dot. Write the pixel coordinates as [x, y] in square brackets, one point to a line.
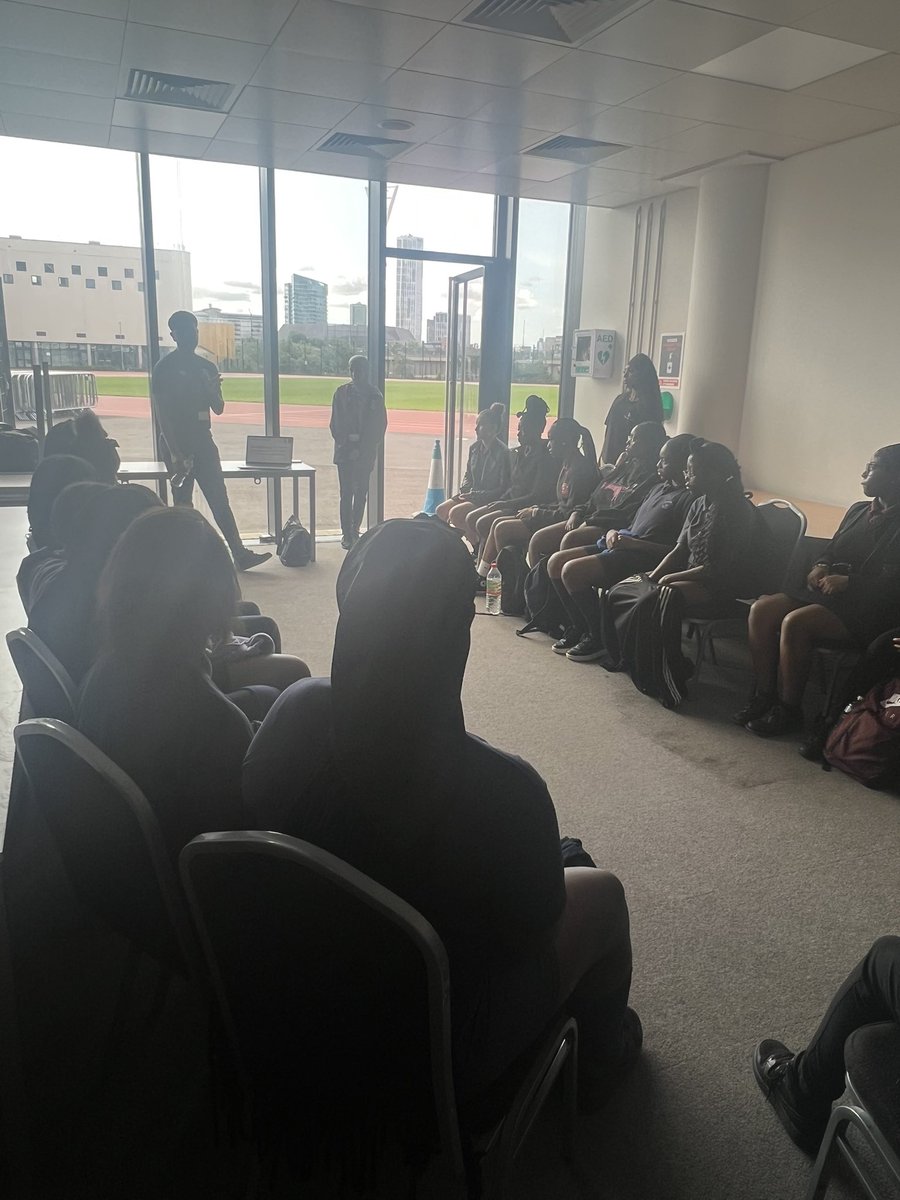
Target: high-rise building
[437, 327]
[305, 301]
[409, 287]
[359, 314]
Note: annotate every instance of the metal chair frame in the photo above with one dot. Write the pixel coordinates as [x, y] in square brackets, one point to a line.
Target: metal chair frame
[558, 1053]
[28, 639]
[851, 1113]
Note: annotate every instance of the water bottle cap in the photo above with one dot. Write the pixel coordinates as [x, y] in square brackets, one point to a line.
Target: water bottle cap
[493, 564]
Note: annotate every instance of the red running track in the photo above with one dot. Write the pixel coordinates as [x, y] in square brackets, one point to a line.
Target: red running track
[293, 416]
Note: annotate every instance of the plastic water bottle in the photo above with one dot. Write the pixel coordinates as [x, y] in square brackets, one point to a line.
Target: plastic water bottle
[492, 592]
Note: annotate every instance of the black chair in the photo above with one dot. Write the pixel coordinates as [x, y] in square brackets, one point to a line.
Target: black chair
[871, 1108]
[335, 994]
[786, 526]
[48, 687]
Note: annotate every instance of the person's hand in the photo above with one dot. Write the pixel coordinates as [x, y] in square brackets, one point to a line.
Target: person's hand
[673, 577]
[526, 514]
[573, 522]
[816, 574]
[833, 585]
[612, 539]
[897, 644]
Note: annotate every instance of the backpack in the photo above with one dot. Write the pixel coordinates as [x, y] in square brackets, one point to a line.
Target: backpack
[18, 451]
[865, 743]
[513, 569]
[542, 605]
[295, 544]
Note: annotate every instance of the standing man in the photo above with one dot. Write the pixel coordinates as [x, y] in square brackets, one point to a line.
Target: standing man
[358, 422]
[185, 387]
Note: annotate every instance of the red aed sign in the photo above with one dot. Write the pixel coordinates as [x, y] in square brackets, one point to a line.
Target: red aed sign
[671, 354]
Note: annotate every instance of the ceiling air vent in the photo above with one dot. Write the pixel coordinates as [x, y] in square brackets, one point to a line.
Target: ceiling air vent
[182, 91]
[575, 149]
[361, 144]
[565, 21]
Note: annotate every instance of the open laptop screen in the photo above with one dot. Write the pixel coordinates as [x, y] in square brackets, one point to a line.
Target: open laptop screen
[269, 451]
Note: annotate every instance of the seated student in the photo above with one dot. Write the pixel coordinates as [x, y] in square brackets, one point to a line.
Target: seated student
[84, 437]
[614, 500]
[852, 595]
[575, 482]
[149, 702]
[802, 1086]
[50, 476]
[715, 560]
[618, 553]
[533, 476]
[487, 471]
[375, 766]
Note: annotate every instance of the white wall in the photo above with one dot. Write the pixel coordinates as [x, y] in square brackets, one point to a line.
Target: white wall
[824, 363]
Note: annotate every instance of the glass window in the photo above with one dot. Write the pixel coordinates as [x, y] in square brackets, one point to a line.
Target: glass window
[128, 272]
[322, 274]
[208, 262]
[440, 220]
[8, 278]
[76, 269]
[117, 285]
[90, 283]
[37, 281]
[40, 333]
[140, 287]
[48, 268]
[540, 301]
[84, 335]
[20, 266]
[103, 272]
[63, 281]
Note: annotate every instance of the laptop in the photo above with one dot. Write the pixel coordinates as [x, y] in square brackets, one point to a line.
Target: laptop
[267, 452]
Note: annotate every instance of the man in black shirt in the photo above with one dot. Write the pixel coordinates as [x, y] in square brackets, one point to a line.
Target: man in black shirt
[358, 422]
[185, 387]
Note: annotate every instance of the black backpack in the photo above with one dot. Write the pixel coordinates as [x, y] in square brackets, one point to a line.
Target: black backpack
[513, 569]
[295, 544]
[542, 605]
[18, 451]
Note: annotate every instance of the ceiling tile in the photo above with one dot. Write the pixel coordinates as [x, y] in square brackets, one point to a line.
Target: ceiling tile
[117, 9]
[787, 59]
[399, 171]
[269, 104]
[25, 27]
[41, 103]
[481, 135]
[51, 129]
[631, 126]
[181, 145]
[365, 118]
[320, 162]
[747, 106]
[650, 160]
[873, 84]
[776, 12]
[448, 158]
[598, 77]
[220, 150]
[537, 111]
[166, 118]
[524, 166]
[178, 53]
[496, 185]
[22, 68]
[298, 138]
[316, 76]
[593, 180]
[483, 56]
[706, 143]
[675, 35]
[437, 10]
[350, 32]
[868, 22]
[433, 94]
[243, 22]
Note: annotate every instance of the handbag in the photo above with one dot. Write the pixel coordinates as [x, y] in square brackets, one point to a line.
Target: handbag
[865, 743]
[294, 543]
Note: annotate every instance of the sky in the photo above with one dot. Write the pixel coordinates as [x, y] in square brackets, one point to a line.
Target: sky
[83, 193]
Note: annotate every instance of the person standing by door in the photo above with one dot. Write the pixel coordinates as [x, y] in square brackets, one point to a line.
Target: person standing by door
[185, 388]
[358, 423]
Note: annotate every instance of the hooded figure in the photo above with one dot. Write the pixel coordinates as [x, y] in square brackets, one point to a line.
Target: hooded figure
[375, 766]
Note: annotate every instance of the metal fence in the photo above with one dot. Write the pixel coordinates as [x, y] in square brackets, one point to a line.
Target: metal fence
[68, 390]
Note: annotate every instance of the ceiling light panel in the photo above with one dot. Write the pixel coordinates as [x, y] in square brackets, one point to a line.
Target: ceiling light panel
[787, 59]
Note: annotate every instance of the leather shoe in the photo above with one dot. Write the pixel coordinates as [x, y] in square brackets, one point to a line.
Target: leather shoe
[781, 718]
[772, 1062]
[758, 706]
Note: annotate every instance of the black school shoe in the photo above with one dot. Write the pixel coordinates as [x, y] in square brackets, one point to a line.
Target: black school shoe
[757, 707]
[249, 558]
[595, 1089]
[569, 639]
[781, 718]
[588, 650]
[771, 1067]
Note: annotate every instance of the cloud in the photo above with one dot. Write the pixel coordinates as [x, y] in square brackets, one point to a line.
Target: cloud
[214, 294]
[243, 285]
[525, 298]
[349, 287]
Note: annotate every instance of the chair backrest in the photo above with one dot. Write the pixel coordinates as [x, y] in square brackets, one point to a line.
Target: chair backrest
[334, 991]
[109, 841]
[785, 526]
[47, 685]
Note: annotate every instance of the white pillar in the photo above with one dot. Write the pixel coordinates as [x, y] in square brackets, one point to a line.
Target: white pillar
[730, 217]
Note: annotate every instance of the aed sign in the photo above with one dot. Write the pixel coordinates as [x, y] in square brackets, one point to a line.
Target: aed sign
[593, 351]
[671, 356]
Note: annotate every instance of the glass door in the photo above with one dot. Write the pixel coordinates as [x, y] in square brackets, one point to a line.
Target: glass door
[464, 300]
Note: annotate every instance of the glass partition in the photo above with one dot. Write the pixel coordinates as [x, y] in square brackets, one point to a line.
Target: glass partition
[540, 301]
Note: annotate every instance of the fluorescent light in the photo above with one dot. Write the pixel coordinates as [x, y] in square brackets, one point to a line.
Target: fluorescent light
[787, 59]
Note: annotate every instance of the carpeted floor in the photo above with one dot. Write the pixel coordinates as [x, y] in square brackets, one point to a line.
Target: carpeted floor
[755, 880]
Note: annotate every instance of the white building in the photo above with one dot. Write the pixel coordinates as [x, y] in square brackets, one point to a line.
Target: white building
[246, 325]
[409, 287]
[78, 304]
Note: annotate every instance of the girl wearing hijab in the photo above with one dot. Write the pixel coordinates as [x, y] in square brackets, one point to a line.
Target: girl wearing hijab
[487, 470]
[375, 766]
[639, 401]
[572, 451]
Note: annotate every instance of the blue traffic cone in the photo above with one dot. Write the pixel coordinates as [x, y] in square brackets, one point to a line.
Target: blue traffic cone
[435, 494]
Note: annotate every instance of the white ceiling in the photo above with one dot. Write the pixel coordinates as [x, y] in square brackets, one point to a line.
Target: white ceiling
[678, 84]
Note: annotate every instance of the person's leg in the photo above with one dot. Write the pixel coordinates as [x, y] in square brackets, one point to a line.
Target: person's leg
[580, 576]
[560, 558]
[575, 627]
[180, 495]
[484, 530]
[545, 542]
[254, 701]
[272, 670]
[208, 473]
[584, 535]
[801, 631]
[510, 532]
[763, 631]
[458, 514]
[472, 520]
[444, 509]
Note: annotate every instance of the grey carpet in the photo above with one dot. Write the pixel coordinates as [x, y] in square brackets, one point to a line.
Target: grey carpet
[755, 880]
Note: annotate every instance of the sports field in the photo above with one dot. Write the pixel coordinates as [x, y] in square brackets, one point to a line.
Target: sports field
[417, 395]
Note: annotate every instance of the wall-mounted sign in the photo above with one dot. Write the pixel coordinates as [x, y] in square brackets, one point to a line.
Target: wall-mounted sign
[593, 351]
[671, 356]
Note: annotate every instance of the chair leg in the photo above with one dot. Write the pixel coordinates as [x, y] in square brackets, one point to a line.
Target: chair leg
[570, 1099]
[824, 1163]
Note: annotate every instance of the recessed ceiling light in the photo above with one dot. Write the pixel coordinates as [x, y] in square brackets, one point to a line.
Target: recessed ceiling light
[787, 59]
[394, 123]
